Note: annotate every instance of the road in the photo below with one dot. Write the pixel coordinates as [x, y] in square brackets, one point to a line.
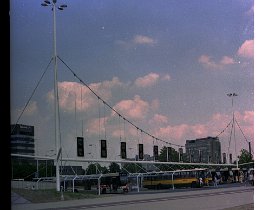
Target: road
[205, 199]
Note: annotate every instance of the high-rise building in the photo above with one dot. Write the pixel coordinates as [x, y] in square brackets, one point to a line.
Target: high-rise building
[204, 150]
[22, 139]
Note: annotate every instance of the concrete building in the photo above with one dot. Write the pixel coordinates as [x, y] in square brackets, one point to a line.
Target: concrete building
[203, 150]
[22, 139]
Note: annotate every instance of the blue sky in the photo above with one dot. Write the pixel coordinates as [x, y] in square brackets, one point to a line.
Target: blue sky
[164, 65]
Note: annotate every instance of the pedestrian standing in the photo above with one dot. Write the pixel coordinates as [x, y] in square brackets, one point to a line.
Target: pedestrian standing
[251, 178]
[215, 181]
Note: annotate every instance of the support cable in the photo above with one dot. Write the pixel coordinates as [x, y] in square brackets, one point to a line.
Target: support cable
[242, 133]
[114, 110]
[99, 116]
[105, 119]
[224, 129]
[32, 95]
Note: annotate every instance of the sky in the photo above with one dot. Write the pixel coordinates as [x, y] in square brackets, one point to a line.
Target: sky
[165, 66]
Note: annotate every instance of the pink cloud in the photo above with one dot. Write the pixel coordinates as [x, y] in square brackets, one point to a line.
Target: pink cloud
[135, 109]
[97, 125]
[151, 79]
[247, 49]
[159, 119]
[145, 40]
[70, 94]
[208, 62]
[155, 104]
[215, 126]
[172, 132]
[226, 60]
[147, 81]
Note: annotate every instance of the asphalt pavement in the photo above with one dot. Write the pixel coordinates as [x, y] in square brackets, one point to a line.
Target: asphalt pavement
[145, 198]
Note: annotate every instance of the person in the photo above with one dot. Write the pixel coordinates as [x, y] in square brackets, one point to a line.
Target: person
[200, 181]
[215, 181]
[251, 178]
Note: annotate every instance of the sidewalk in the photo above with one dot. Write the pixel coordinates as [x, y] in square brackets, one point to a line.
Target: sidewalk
[117, 198]
[17, 199]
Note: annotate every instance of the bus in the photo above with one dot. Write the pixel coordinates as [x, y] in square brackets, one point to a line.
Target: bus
[178, 178]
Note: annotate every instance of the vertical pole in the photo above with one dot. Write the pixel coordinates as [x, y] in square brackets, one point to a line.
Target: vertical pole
[166, 153]
[37, 171]
[98, 185]
[173, 186]
[81, 110]
[249, 148]
[137, 182]
[57, 126]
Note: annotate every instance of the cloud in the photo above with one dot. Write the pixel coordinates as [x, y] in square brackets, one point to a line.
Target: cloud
[143, 40]
[70, 94]
[215, 126]
[209, 63]
[166, 77]
[155, 104]
[147, 81]
[97, 126]
[31, 108]
[226, 60]
[159, 119]
[137, 40]
[206, 61]
[150, 80]
[246, 50]
[135, 109]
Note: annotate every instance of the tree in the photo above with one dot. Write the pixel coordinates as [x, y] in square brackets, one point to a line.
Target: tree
[93, 169]
[245, 157]
[173, 155]
[114, 167]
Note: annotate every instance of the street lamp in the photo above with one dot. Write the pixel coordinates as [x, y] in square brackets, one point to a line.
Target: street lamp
[232, 95]
[52, 3]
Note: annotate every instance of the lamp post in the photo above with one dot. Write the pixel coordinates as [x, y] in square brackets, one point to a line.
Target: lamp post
[57, 123]
[232, 95]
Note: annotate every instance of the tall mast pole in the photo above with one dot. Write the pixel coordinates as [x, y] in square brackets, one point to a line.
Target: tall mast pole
[57, 123]
[56, 100]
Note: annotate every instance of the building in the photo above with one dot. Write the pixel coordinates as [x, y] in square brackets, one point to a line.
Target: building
[203, 150]
[22, 139]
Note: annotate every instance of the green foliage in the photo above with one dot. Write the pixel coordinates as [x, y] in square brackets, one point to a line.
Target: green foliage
[245, 157]
[93, 169]
[114, 167]
[173, 155]
[104, 170]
